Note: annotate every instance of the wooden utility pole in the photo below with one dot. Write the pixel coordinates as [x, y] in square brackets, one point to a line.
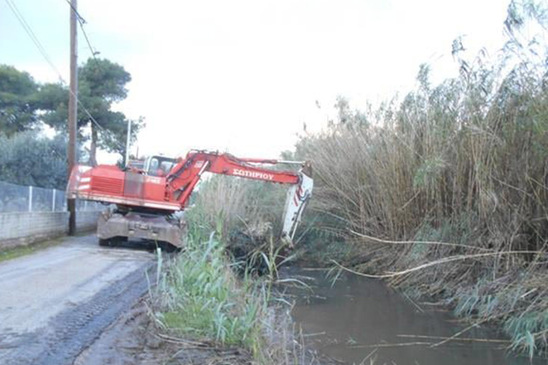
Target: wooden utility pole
[72, 110]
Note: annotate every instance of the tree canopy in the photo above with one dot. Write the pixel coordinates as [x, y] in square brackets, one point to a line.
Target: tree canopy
[101, 83]
[17, 100]
[25, 103]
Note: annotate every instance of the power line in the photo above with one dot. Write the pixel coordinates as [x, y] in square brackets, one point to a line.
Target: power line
[33, 37]
[92, 50]
[42, 50]
[82, 21]
[78, 16]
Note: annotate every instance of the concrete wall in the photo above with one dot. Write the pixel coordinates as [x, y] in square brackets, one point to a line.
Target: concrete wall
[23, 228]
[86, 221]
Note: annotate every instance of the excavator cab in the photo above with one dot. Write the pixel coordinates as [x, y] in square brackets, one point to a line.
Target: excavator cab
[158, 165]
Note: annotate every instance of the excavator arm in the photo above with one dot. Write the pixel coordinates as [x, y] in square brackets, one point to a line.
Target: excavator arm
[185, 175]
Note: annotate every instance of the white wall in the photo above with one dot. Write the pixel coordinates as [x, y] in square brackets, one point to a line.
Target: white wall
[22, 228]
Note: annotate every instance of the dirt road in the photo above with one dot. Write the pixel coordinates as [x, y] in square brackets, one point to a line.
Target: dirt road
[56, 302]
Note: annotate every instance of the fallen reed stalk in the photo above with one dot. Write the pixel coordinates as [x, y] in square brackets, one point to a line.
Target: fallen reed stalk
[434, 263]
[381, 345]
[461, 339]
[434, 243]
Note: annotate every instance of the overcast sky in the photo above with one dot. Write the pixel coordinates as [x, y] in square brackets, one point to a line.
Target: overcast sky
[244, 76]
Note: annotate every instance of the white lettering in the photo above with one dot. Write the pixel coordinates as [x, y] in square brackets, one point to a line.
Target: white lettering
[253, 174]
[153, 179]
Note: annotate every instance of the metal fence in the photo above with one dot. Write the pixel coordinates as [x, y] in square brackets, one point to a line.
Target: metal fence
[19, 198]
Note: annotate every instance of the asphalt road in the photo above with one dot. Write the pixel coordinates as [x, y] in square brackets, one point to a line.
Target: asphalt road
[56, 302]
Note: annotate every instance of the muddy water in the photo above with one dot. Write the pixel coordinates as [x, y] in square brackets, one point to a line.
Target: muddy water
[361, 318]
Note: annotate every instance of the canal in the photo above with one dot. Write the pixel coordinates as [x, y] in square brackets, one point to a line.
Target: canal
[359, 319]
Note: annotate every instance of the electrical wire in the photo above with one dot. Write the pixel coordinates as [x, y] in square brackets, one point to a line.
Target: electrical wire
[76, 12]
[82, 21]
[42, 50]
[33, 37]
[91, 49]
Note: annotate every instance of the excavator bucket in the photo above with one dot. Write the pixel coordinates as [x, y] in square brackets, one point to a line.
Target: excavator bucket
[296, 201]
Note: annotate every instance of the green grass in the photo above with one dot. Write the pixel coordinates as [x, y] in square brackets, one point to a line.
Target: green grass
[204, 300]
[15, 252]
[200, 297]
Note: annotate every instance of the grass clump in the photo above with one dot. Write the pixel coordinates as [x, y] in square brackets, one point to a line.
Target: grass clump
[203, 295]
[206, 301]
[15, 252]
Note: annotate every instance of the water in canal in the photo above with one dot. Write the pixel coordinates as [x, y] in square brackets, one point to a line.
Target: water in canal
[348, 320]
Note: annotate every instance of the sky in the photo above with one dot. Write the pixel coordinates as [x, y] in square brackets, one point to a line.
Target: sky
[243, 76]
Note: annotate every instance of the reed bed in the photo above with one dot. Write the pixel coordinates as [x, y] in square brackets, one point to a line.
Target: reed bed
[227, 205]
[448, 187]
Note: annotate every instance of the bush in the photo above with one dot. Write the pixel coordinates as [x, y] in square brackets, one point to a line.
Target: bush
[27, 158]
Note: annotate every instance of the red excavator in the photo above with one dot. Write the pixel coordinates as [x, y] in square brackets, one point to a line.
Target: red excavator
[147, 200]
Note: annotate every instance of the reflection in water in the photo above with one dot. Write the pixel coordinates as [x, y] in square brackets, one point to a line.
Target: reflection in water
[346, 319]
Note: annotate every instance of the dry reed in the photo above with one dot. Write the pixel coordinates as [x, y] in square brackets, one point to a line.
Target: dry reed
[454, 174]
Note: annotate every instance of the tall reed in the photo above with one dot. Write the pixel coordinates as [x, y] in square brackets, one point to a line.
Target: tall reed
[227, 204]
[465, 163]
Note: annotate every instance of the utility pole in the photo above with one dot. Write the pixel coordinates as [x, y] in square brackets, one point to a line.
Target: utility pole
[72, 110]
[128, 141]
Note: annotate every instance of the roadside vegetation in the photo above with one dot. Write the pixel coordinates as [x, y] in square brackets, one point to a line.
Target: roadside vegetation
[15, 252]
[445, 192]
[209, 298]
